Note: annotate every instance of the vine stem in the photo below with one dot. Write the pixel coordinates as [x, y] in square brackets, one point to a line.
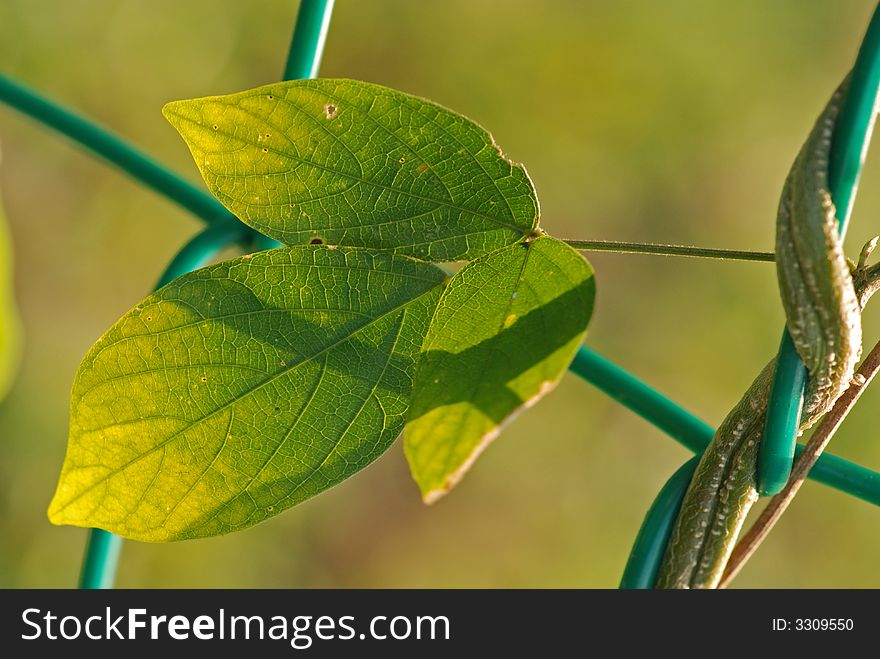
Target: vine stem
[849, 147]
[813, 449]
[622, 247]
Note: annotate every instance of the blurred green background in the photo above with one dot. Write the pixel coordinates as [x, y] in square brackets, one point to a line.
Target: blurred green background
[638, 120]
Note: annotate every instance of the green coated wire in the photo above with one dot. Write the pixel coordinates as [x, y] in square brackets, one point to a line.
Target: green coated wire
[648, 403]
[647, 551]
[200, 251]
[849, 145]
[115, 150]
[695, 434]
[309, 37]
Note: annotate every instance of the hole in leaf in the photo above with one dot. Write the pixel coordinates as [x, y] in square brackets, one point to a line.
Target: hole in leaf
[316, 241]
[330, 110]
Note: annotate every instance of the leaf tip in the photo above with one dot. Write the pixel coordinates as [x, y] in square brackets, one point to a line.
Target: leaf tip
[184, 115]
[55, 512]
[432, 493]
[169, 110]
[63, 508]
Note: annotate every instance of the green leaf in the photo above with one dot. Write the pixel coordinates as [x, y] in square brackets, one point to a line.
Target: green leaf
[241, 389]
[351, 163]
[504, 332]
[10, 330]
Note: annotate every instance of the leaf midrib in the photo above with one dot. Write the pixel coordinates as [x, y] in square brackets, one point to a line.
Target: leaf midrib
[355, 179]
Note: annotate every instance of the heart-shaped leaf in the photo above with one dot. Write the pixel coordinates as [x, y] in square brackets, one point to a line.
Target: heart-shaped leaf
[352, 163]
[504, 332]
[243, 388]
[10, 333]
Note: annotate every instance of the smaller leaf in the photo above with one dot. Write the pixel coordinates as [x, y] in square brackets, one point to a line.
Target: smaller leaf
[504, 332]
[356, 164]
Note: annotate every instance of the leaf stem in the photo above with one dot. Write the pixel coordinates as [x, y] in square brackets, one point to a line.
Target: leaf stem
[849, 147]
[813, 449]
[100, 560]
[669, 250]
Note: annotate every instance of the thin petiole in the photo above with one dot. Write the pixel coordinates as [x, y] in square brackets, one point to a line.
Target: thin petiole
[669, 250]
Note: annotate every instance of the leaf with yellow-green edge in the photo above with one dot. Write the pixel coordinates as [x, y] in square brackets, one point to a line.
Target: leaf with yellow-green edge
[10, 330]
[241, 389]
[353, 163]
[504, 332]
